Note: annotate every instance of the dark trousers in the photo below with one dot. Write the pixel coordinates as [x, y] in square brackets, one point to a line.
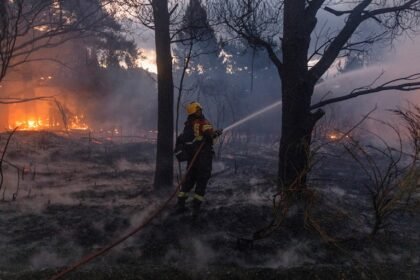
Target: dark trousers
[199, 175]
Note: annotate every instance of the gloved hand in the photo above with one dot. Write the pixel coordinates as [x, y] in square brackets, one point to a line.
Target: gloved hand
[217, 133]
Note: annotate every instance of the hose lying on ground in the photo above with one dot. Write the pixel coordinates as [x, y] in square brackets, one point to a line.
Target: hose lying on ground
[88, 258]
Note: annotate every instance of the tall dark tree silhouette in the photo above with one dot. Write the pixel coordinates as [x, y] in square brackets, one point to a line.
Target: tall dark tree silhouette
[164, 156]
[285, 29]
[165, 18]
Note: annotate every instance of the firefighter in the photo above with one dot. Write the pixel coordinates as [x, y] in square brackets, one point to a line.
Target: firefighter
[197, 130]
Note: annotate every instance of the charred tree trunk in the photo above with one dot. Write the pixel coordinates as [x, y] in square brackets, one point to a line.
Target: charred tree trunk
[298, 121]
[164, 157]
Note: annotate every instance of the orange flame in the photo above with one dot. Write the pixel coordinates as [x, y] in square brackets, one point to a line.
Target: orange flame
[33, 123]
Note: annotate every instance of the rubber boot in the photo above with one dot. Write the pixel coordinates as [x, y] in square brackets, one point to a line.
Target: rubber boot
[180, 206]
[196, 204]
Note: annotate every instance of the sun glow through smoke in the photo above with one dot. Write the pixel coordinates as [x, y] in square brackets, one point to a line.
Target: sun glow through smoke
[147, 60]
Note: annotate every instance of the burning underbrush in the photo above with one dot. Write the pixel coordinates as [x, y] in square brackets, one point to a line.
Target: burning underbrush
[64, 196]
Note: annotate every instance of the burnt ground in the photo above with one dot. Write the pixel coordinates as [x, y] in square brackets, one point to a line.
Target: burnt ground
[76, 196]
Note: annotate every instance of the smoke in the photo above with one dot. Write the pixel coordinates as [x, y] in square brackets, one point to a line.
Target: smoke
[337, 191]
[398, 64]
[202, 253]
[47, 258]
[196, 255]
[124, 165]
[296, 254]
[141, 216]
[103, 97]
[130, 106]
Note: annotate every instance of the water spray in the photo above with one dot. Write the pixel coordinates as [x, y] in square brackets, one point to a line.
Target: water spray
[253, 115]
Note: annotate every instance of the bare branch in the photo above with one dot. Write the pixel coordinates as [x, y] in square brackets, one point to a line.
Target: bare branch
[333, 50]
[390, 85]
[28, 26]
[23, 100]
[253, 21]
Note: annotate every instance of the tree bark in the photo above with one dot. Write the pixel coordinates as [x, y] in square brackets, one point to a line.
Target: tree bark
[298, 121]
[164, 157]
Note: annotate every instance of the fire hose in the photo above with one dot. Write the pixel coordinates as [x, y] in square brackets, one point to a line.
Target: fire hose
[88, 258]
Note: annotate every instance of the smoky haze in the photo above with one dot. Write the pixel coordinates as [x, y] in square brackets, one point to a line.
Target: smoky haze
[400, 62]
[89, 193]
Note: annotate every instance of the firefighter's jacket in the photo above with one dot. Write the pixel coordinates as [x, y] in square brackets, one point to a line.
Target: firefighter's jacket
[196, 130]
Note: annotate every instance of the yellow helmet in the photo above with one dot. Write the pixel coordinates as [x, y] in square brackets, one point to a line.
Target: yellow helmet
[193, 107]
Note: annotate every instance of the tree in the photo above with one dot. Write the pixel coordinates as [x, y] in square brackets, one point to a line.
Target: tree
[27, 26]
[196, 30]
[95, 62]
[164, 156]
[195, 50]
[165, 18]
[155, 15]
[63, 36]
[262, 22]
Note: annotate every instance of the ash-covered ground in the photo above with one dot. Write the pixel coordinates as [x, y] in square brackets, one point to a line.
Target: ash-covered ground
[73, 195]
